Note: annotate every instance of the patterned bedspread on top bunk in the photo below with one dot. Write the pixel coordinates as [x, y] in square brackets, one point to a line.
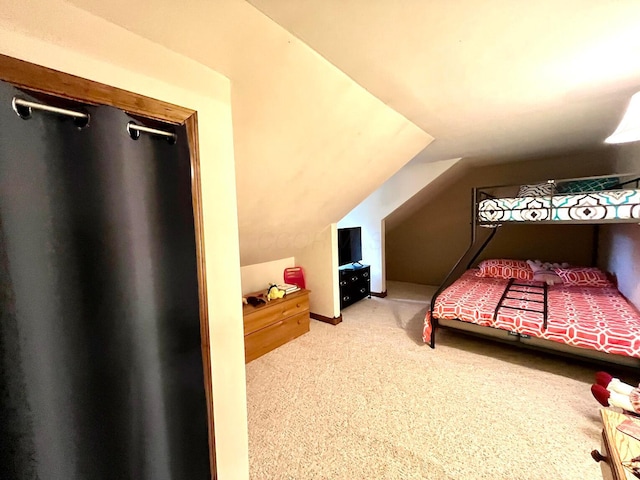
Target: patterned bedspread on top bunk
[589, 317]
[611, 205]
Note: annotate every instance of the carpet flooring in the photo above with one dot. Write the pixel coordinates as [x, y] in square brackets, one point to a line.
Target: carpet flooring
[366, 399]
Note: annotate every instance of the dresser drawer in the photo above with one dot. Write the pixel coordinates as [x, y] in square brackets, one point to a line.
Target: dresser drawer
[358, 289]
[353, 275]
[273, 336]
[271, 313]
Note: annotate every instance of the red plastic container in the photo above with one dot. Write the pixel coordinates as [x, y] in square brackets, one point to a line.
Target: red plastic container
[294, 276]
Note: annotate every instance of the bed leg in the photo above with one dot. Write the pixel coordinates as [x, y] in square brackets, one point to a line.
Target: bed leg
[434, 326]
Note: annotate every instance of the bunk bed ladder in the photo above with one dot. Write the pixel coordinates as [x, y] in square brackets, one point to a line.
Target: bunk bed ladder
[473, 248]
[502, 299]
[510, 289]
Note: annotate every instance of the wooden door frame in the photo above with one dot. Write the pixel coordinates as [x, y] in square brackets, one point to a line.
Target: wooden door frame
[52, 82]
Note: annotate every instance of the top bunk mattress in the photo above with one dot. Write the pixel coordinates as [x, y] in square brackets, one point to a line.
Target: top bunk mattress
[599, 318]
[595, 207]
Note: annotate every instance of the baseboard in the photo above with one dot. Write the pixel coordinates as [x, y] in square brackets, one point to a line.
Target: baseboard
[322, 318]
[379, 294]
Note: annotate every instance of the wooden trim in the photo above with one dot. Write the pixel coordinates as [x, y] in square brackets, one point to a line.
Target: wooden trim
[322, 318]
[52, 82]
[618, 445]
[196, 195]
[378, 294]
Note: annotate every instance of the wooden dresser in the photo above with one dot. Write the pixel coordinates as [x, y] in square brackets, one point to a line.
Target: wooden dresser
[275, 323]
[617, 447]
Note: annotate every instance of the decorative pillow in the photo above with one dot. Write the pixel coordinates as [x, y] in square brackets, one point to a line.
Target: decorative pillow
[504, 268]
[589, 185]
[536, 190]
[583, 277]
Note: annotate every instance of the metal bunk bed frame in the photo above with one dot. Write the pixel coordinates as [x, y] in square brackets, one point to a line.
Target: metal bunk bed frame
[477, 248]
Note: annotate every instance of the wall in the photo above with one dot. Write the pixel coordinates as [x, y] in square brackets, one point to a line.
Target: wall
[319, 260]
[59, 36]
[620, 255]
[427, 244]
[370, 213]
[258, 276]
[620, 244]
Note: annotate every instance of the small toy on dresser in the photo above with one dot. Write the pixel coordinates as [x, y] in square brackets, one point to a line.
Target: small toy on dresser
[273, 292]
[253, 300]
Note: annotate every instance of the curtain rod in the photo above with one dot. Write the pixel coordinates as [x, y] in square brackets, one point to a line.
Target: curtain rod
[141, 128]
[19, 102]
[23, 110]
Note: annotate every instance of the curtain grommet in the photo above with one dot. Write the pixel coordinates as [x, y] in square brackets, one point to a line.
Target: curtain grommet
[82, 122]
[133, 133]
[22, 111]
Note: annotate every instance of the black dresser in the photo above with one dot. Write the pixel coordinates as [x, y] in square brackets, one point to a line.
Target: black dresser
[355, 284]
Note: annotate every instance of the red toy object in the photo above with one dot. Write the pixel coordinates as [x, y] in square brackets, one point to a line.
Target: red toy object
[601, 394]
[294, 276]
[603, 378]
[611, 392]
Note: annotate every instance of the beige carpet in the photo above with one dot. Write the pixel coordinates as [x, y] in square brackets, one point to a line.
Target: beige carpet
[368, 400]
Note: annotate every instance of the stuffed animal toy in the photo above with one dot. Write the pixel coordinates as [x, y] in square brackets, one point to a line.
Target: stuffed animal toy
[544, 272]
[273, 292]
[611, 392]
[253, 300]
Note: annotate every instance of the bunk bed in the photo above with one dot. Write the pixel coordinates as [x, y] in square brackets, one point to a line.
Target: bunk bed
[571, 309]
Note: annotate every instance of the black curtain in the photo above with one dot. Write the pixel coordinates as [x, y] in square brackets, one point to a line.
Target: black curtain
[100, 363]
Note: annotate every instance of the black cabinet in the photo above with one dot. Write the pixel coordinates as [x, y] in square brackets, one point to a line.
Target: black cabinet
[355, 284]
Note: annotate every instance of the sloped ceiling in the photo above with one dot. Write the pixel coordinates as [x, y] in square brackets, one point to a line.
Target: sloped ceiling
[492, 78]
[310, 143]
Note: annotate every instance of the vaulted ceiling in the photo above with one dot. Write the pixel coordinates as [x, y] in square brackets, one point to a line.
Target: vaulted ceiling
[491, 78]
[331, 97]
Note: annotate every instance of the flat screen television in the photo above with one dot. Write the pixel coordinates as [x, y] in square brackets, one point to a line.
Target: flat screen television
[349, 245]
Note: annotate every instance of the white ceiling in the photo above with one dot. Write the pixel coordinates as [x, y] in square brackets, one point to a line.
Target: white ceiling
[490, 78]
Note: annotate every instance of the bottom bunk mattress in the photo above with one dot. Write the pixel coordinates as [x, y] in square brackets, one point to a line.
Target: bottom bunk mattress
[597, 318]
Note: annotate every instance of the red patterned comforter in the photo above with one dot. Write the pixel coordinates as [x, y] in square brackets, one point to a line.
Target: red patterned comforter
[589, 317]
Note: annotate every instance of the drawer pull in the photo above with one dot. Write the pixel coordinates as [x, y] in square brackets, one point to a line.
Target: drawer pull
[353, 279]
[598, 457]
[362, 290]
[297, 305]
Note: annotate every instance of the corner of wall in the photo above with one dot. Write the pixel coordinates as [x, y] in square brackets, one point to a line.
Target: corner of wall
[620, 255]
[319, 261]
